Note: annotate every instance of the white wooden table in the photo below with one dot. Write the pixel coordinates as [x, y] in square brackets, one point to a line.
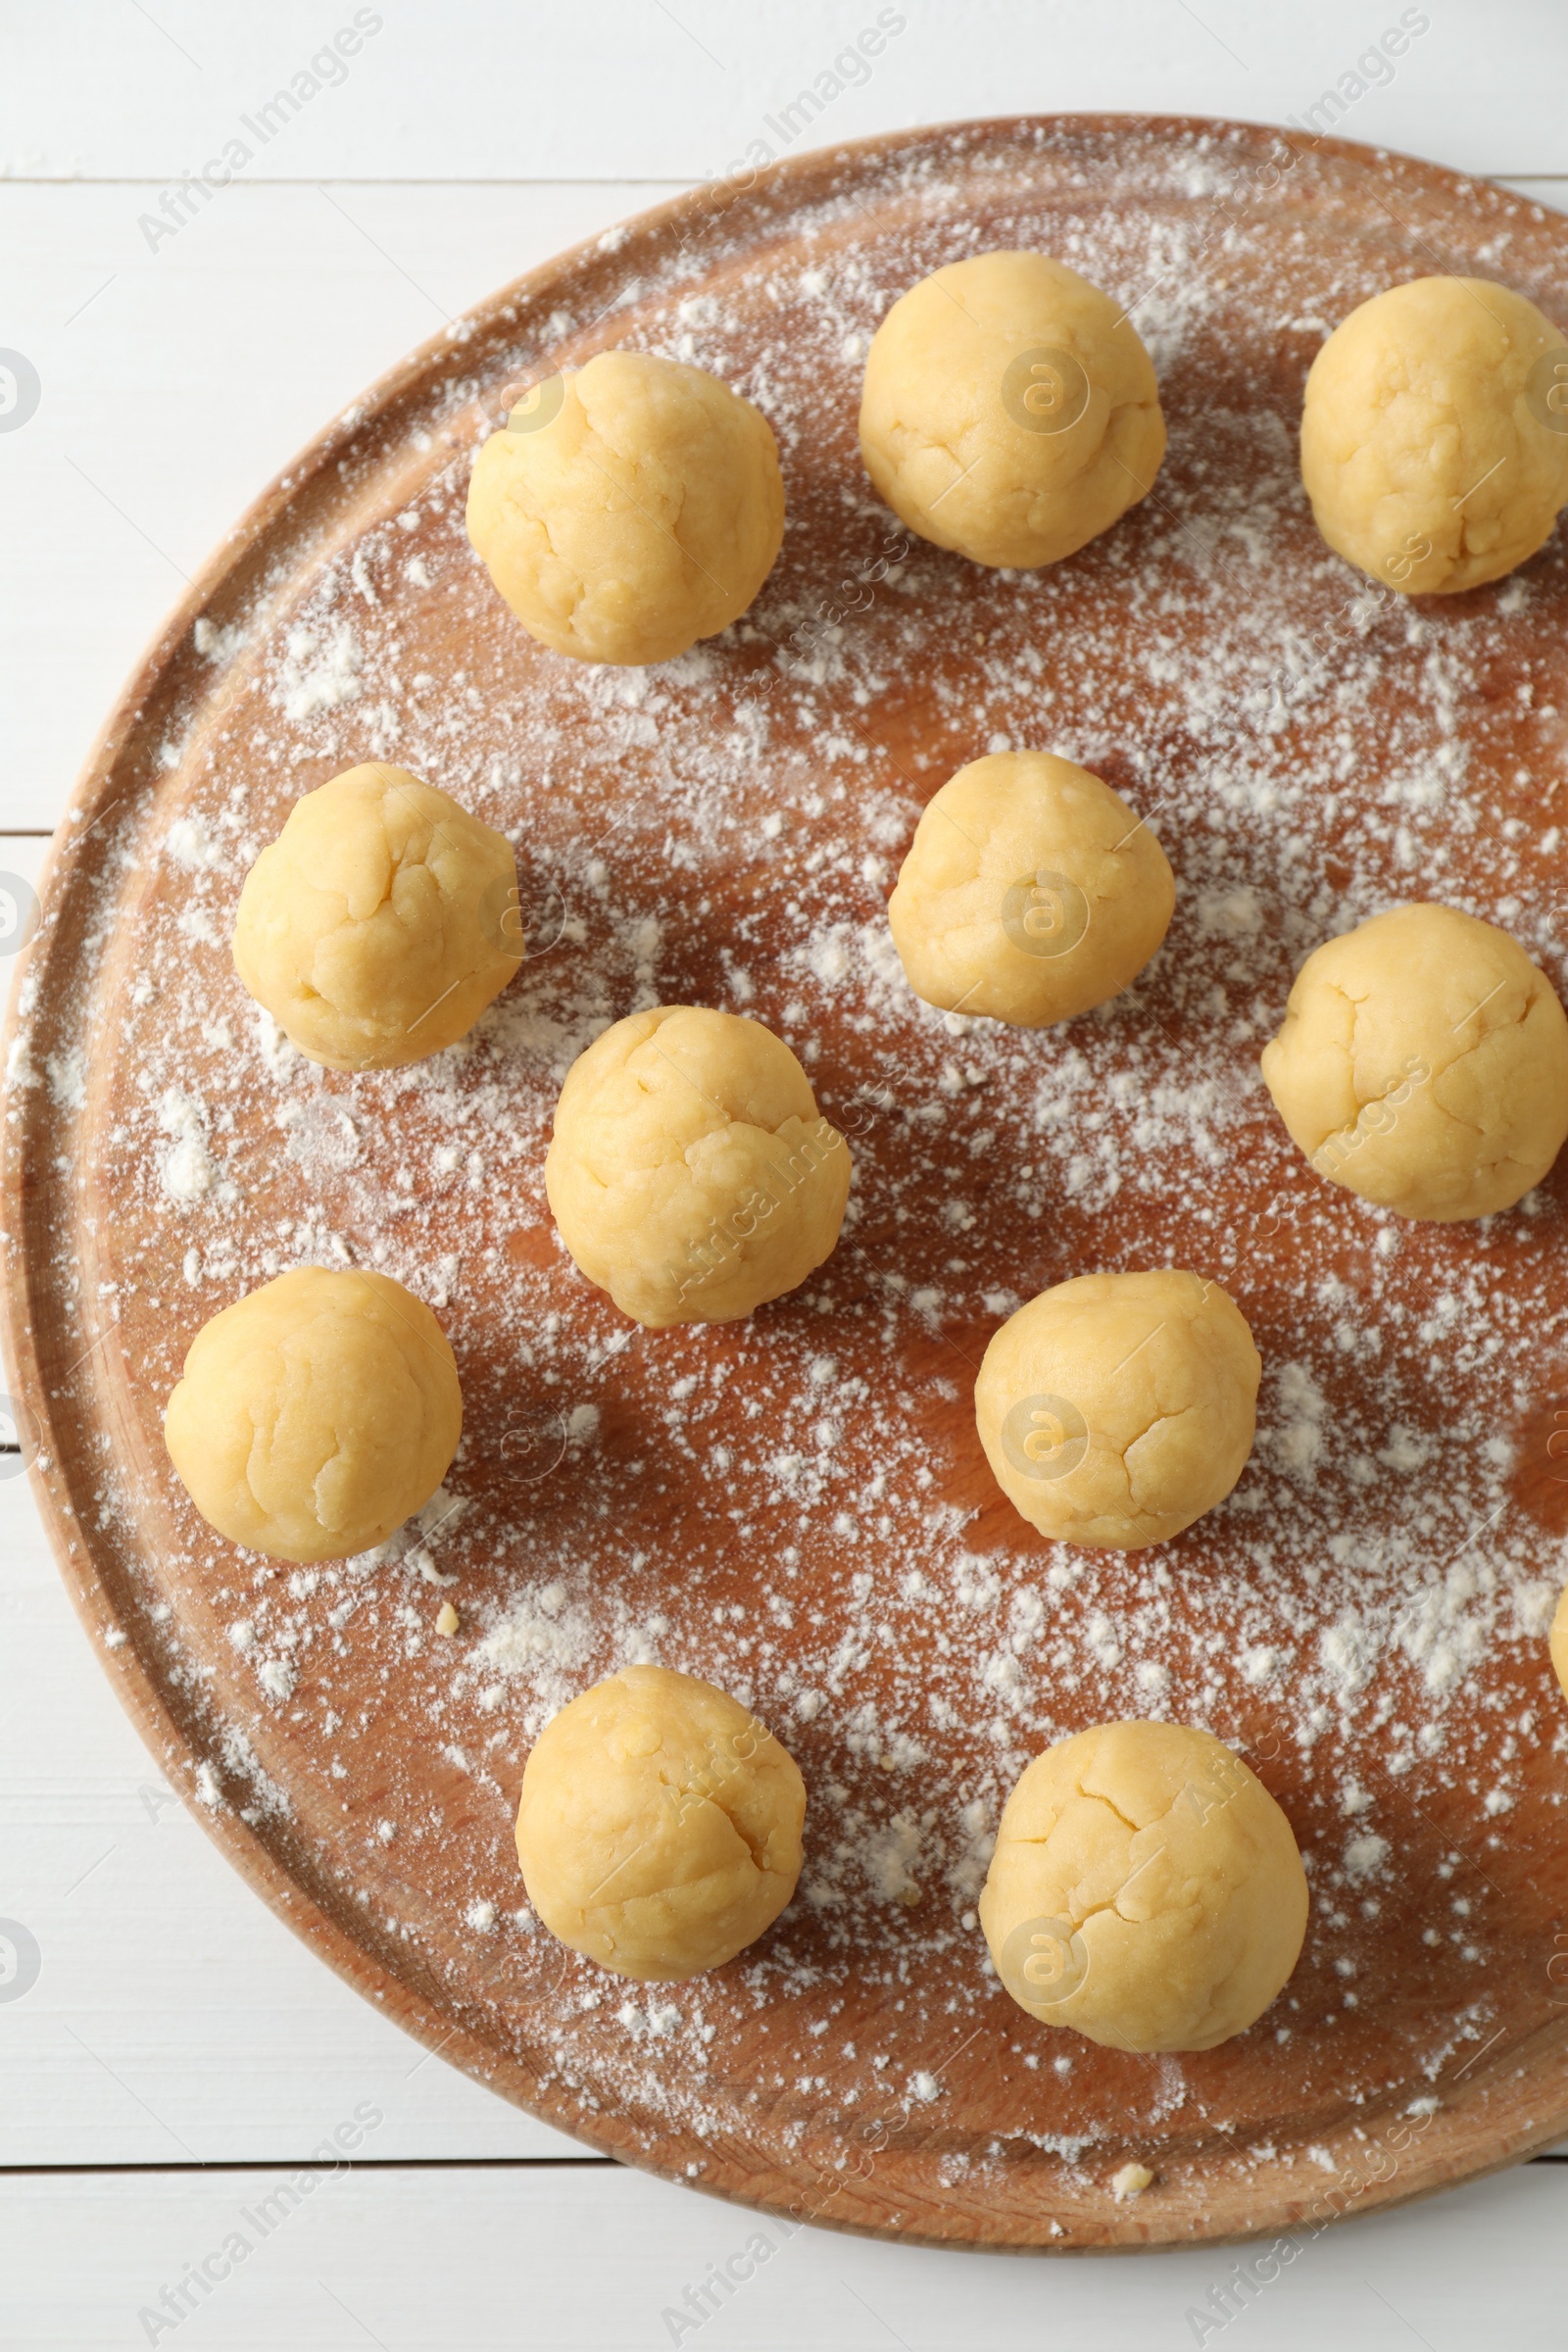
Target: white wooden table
[179, 2054]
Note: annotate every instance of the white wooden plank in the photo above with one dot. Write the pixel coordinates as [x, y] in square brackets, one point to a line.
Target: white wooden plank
[1552, 194]
[173, 2017]
[22, 857]
[588, 2258]
[636, 89]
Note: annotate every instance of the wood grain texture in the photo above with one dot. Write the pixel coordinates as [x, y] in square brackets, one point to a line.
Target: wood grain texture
[151, 1585]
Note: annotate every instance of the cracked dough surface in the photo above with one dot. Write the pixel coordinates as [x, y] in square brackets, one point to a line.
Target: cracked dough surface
[1423, 1063]
[643, 514]
[946, 449]
[1116, 1409]
[1031, 892]
[1149, 1885]
[689, 1171]
[1426, 448]
[381, 924]
[659, 1826]
[316, 1414]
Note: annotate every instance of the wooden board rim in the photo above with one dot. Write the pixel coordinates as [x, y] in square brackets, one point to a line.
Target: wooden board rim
[1508, 2140]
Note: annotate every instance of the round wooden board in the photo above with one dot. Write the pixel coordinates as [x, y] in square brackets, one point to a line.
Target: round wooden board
[797, 1506]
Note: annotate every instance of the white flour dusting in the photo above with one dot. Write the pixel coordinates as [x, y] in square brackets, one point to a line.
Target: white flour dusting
[1364, 1616]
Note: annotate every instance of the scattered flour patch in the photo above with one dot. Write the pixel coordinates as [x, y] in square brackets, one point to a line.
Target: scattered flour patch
[1295, 1440]
[1230, 914]
[189, 845]
[67, 1078]
[186, 1168]
[318, 673]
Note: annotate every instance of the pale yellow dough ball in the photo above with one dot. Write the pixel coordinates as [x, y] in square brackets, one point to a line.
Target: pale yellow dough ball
[1145, 1889]
[316, 1414]
[1434, 435]
[630, 508]
[1559, 1641]
[1423, 1063]
[381, 924]
[1009, 410]
[660, 1827]
[689, 1171]
[1031, 892]
[1116, 1409]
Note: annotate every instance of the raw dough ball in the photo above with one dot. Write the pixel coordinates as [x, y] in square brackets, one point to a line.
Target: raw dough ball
[689, 1172]
[1559, 1641]
[379, 924]
[1117, 1409]
[1009, 410]
[1434, 435]
[1424, 1064]
[630, 508]
[660, 1827]
[1031, 892]
[1145, 1889]
[316, 1414]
